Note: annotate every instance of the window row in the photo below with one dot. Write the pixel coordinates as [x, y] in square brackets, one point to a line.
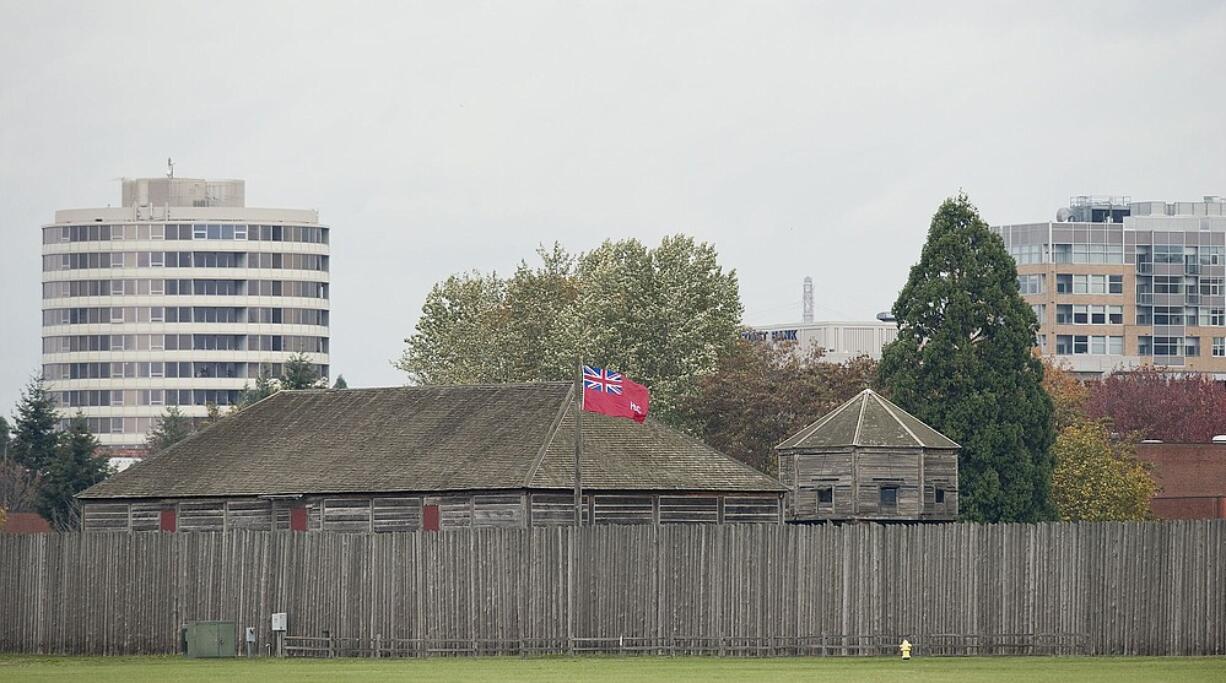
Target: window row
[1207, 255]
[1168, 346]
[94, 398]
[1087, 253]
[184, 314]
[1067, 283]
[1030, 284]
[185, 231]
[156, 369]
[1078, 344]
[184, 259]
[1180, 284]
[1181, 315]
[156, 287]
[1089, 314]
[185, 342]
[116, 425]
[1024, 254]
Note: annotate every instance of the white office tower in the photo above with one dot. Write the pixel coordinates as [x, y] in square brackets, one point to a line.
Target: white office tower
[178, 298]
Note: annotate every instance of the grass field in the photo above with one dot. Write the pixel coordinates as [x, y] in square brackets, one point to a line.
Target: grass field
[673, 670]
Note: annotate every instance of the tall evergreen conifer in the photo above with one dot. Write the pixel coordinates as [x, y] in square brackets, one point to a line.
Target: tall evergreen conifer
[74, 469]
[964, 363]
[170, 428]
[34, 435]
[298, 372]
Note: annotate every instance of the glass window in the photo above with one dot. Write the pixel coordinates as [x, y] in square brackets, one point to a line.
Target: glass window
[1039, 313]
[1098, 345]
[1064, 283]
[1191, 346]
[1168, 284]
[1115, 346]
[1219, 346]
[1027, 284]
[1115, 284]
[1064, 314]
[825, 495]
[1098, 315]
[1115, 315]
[1081, 344]
[1145, 345]
[1167, 346]
[1081, 314]
[889, 496]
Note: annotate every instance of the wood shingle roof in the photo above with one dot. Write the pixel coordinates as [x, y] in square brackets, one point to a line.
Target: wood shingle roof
[434, 438]
[868, 420]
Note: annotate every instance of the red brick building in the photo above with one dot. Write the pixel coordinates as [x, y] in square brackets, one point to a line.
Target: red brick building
[24, 523]
[1191, 479]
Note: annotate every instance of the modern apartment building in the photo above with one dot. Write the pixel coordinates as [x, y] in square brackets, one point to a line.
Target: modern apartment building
[179, 297]
[1117, 284]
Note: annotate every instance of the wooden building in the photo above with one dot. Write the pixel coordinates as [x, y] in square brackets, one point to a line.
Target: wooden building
[407, 458]
[868, 459]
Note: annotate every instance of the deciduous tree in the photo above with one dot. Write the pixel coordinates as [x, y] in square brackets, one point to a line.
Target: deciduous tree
[763, 393]
[1184, 408]
[4, 438]
[663, 316]
[1068, 395]
[18, 487]
[963, 364]
[1097, 478]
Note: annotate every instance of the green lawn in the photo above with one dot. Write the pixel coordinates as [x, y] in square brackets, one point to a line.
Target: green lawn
[673, 670]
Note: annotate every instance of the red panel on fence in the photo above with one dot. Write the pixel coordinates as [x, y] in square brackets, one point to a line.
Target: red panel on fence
[298, 518]
[429, 517]
[167, 520]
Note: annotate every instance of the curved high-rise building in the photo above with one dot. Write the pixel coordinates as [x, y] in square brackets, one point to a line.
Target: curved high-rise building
[180, 297]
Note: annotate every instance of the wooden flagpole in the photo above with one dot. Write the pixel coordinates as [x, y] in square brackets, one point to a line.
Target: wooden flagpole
[578, 442]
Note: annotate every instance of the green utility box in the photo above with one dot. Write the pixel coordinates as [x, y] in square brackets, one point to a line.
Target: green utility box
[209, 639]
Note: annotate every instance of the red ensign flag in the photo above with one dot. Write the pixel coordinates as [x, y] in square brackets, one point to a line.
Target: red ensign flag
[608, 393]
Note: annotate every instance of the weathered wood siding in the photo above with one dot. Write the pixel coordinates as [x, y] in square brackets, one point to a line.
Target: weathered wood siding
[1088, 588]
[815, 471]
[855, 478]
[383, 514]
[941, 471]
[396, 514]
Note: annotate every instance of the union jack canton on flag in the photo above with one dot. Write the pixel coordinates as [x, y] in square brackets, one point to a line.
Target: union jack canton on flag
[599, 379]
[609, 393]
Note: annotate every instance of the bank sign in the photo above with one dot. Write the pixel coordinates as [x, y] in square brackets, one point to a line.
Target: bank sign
[773, 335]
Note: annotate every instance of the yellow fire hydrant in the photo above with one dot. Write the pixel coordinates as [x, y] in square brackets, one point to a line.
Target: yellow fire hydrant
[905, 648]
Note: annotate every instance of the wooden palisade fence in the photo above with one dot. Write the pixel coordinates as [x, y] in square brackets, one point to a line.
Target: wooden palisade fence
[1101, 588]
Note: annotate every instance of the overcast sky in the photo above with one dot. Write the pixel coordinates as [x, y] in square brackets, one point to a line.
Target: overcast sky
[802, 138]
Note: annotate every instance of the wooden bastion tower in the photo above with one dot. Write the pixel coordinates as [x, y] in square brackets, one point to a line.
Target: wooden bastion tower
[869, 460]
